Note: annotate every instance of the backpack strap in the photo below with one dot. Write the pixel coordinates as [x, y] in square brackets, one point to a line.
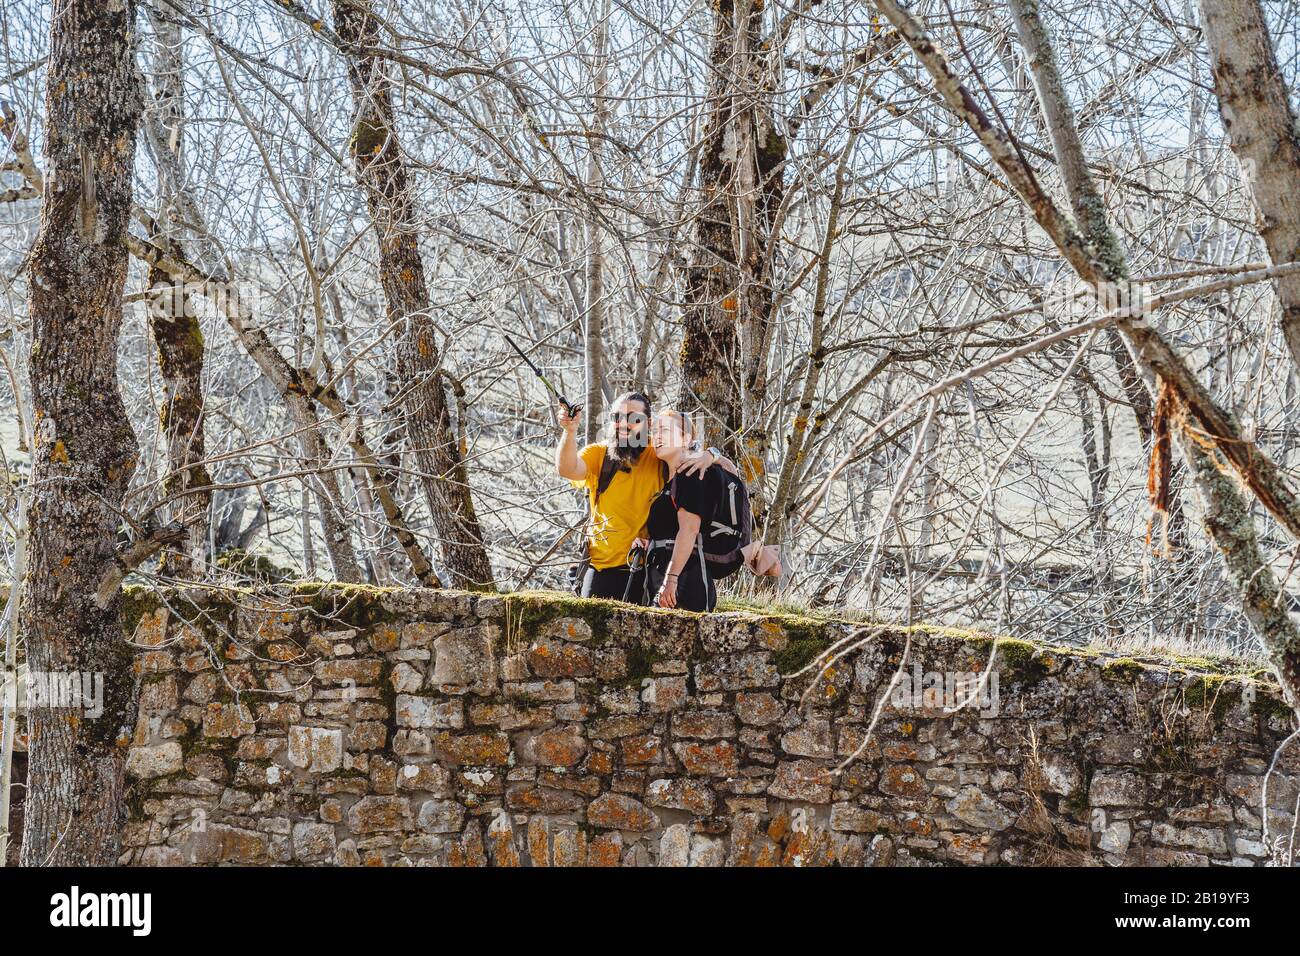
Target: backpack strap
[671, 488]
[704, 565]
[670, 483]
[608, 468]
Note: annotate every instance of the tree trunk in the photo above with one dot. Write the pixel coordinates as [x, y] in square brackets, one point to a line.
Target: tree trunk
[173, 321]
[1261, 127]
[728, 310]
[324, 485]
[85, 450]
[799, 439]
[382, 174]
[594, 336]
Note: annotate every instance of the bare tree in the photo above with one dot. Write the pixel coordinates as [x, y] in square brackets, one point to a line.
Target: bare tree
[1097, 256]
[872, 267]
[174, 321]
[428, 422]
[1227, 510]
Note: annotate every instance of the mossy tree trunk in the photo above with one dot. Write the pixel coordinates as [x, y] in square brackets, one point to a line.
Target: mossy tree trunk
[85, 450]
[727, 317]
[383, 177]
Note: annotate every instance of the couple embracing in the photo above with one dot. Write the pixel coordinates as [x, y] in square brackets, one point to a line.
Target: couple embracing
[667, 517]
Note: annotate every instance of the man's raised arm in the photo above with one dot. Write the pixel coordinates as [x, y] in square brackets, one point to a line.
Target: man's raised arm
[568, 464]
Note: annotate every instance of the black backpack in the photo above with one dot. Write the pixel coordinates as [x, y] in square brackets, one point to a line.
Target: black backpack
[732, 526]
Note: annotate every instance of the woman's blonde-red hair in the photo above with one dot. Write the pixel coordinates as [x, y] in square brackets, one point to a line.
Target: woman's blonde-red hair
[682, 420]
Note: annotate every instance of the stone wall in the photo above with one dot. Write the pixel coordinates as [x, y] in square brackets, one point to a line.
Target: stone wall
[331, 725]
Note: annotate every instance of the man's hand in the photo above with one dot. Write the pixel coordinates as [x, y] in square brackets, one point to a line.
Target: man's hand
[568, 422]
[696, 462]
[568, 464]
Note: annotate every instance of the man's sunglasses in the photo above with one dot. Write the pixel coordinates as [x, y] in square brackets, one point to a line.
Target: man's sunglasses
[629, 417]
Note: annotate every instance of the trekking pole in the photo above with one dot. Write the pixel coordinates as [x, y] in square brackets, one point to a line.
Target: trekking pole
[635, 562]
[570, 410]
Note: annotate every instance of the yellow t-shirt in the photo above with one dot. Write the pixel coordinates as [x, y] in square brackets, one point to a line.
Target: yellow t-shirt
[624, 505]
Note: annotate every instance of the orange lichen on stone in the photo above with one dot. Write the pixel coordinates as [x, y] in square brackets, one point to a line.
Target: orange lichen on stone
[476, 750]
[617, 811]
[502, 843]
[539, 842]
[779, 827]
[569, 848]
[606, 850]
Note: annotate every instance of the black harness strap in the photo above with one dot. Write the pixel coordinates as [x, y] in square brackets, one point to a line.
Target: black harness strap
[608, 468]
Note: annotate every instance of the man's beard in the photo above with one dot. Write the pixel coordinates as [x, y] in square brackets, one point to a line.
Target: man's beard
[627, 449]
